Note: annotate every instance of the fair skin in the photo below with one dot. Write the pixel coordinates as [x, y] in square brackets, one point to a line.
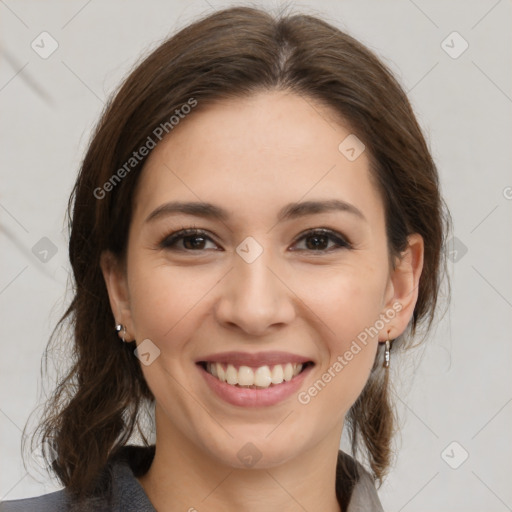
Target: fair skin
[252, 157]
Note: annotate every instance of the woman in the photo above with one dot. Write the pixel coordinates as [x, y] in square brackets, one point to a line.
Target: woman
[256, 224]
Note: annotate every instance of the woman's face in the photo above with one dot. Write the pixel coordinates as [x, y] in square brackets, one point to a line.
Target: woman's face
[273, 269]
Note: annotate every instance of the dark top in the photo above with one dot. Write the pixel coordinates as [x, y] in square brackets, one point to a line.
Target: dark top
[123, 493]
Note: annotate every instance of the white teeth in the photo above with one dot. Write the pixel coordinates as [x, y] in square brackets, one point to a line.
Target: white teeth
[231, 375]
[262, 377]
[245, 376]
[277, 374]
[221, 374]
[288, 372]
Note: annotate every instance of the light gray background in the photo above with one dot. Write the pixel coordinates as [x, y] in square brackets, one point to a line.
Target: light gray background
[458, 386]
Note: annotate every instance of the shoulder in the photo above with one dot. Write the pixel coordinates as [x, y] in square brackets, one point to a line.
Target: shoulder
[118, 488]
[55, 502]
[364, 495]
[356, 482]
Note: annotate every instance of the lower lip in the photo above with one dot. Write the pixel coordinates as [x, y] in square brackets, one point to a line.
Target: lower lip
[247, 397]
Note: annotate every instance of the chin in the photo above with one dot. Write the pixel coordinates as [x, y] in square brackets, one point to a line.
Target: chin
[255, 453]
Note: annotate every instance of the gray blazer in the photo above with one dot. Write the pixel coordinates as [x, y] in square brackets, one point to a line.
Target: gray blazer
[125, 494]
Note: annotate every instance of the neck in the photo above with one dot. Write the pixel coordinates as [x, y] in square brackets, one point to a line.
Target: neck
[181, 477]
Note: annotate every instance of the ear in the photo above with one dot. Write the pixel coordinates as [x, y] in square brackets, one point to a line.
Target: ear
[114, 273]
[403, 287]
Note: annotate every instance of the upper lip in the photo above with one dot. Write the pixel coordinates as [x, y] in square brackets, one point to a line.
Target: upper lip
[256, 359]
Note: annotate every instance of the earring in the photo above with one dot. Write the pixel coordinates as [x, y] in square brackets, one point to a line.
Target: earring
[387, 352]
[119, 328]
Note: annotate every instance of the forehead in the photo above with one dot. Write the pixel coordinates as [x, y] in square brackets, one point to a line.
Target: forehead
[256, 153]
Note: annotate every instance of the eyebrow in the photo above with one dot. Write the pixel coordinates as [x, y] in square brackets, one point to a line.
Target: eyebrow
[288, 212]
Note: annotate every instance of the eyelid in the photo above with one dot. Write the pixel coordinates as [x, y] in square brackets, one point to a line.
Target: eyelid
[341, 240]
[184, 232]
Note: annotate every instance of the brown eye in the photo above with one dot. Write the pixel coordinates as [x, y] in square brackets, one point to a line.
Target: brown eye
[186, 240]
[193, 240]
[318, 241]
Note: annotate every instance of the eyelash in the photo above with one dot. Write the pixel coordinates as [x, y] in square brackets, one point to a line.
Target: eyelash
[170, 240]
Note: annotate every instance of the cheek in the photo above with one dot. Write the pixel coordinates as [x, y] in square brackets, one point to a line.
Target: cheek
[165, 300]
[346, 299]
[348, 305]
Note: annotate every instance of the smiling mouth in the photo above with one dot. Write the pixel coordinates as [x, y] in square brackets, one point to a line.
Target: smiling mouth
[261, 377]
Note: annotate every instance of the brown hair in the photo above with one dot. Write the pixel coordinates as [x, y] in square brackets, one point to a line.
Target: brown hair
[95, 407]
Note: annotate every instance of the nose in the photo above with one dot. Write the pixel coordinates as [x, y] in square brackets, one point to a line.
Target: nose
[254, 297]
